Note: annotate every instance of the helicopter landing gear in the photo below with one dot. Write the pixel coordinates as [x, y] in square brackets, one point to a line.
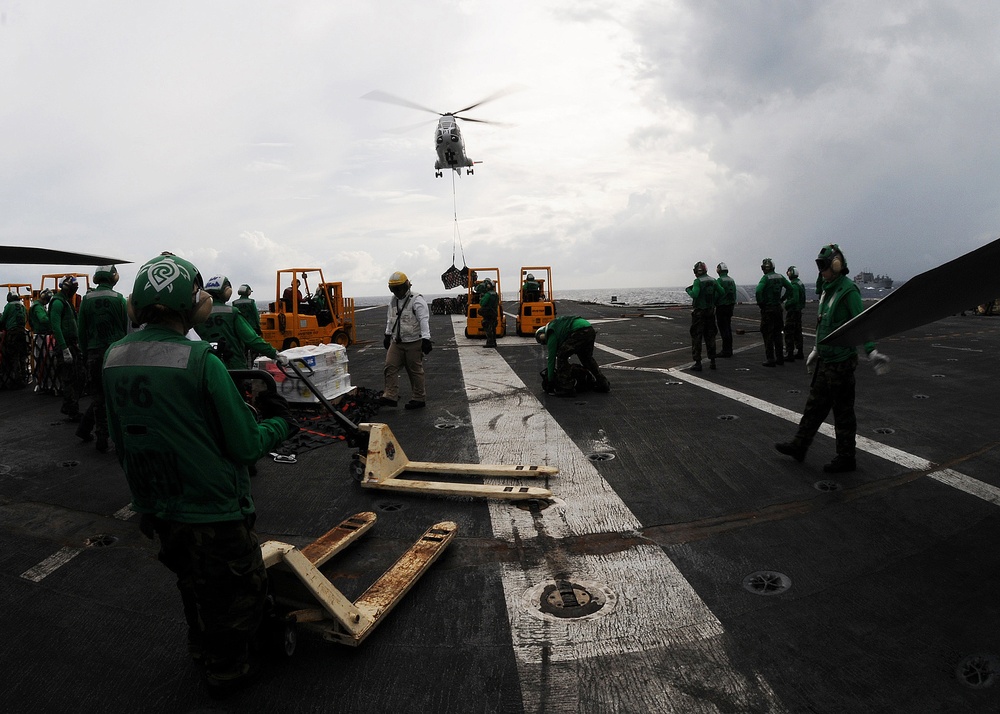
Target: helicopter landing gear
[437, 174]
[469, 172]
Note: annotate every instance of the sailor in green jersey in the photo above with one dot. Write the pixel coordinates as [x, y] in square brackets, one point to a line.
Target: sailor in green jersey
[489, 304]
[15, 343]
[42, 346]
[184, 437]
[103, 319]
[248, 307]
[704, 293]
[795, 300]
[229, 330]
[724, 308]
[771, 292]
[69, 359]
[832, 367]
[531, 291]
[564, 337]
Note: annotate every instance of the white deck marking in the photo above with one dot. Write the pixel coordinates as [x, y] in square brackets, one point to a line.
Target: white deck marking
[658, 618]
[124, 513]
[949, 477]
[50, 564]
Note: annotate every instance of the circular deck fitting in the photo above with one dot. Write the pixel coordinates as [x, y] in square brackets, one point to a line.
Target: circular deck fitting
[952, 359]
[533, 504]
[885, 430]
[937, 376]
[447, 425]
[100, 540]
[569, 599]
[673, 383]
[580, 403]
[742, 369]
[795, 391]
[767, 582]
[727, 417]
[826, 486]
[69, 464]
[390, 506]
[5, 469]
[921, 396]
[601, 456]
[978, 671]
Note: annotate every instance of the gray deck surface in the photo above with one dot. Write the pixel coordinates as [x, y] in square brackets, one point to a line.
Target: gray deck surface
[893, 569]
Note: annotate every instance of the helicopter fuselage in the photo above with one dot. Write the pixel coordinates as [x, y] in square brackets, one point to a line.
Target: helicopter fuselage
[450, 146]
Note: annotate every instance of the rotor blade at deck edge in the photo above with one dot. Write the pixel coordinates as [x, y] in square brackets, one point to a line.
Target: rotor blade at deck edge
[20, 255]
[960, 284]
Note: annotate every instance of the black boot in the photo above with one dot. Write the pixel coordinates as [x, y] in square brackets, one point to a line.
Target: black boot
[696, 367]
[840, 464]
[793, 448]
[86, 426]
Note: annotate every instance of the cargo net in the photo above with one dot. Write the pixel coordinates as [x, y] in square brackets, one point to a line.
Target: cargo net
[317, 427]
[455, 278]
[449, 305]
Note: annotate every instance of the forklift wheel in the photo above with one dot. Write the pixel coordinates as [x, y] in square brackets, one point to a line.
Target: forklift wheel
[341, 338]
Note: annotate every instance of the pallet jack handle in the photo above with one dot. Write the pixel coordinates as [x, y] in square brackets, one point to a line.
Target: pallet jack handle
[355, 437]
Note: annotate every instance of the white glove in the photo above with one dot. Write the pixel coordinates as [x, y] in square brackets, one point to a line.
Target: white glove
[811, 361]
[880, 363]
[282, 360]
[67, 356]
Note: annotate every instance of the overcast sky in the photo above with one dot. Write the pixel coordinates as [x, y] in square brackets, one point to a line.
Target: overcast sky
[647, 136]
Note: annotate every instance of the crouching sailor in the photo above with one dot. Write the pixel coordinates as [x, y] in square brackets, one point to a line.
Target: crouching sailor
[567, 336]
[185, 437]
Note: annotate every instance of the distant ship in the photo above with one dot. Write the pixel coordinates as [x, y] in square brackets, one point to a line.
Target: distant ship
[866, 279]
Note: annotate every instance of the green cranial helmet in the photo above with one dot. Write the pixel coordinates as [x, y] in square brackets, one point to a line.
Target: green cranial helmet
[792, 272]
[767, 265]
[166, 281]
[831, 257]
[106, 274]
[244, 290]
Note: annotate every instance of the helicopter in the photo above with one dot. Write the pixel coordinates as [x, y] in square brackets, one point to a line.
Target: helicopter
[448, 136]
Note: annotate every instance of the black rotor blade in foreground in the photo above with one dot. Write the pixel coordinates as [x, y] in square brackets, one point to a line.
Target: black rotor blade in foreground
[20, 255]
[378, 96]
[496, 95]
[958, 285]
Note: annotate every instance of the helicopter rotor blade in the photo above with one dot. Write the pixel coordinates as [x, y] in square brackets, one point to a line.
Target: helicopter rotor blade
[485, 121]
[378, 96]
[496, 95]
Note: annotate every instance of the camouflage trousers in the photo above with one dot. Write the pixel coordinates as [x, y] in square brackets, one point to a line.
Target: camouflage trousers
[832, 388]
[793, 332]
[580, 343]
[702, 328]
[222, 581]
[770, 330]
[490, 329]
[724, 319]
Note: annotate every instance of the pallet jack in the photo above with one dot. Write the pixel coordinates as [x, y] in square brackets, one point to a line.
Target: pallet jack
[380, 462]
[308, 599]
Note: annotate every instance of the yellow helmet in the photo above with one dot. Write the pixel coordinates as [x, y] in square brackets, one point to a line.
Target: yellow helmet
[398, 278]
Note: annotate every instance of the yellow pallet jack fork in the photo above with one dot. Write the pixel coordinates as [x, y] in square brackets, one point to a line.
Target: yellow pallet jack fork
[380, 462]
[336, 618]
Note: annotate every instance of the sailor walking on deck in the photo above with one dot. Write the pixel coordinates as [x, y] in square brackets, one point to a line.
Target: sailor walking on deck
[704, 293]
[407, 340]
[833, 385]
[771, 292]
[185, 437]
[248, 307]
[724, 308]
[228, 329]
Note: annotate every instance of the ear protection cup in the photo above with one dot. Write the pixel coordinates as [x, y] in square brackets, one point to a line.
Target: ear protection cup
[227, 293]
[836, 265]
[200, 312]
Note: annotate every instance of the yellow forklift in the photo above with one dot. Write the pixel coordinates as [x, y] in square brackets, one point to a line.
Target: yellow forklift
[535, 306]
[308, 310]
[473, 320]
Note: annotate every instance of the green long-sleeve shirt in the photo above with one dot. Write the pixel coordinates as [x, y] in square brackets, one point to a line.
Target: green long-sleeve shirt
[772, 289]
[840, 300]
[703, 292]
[62, 319]
[796, 297]
[184, 434]
[557, 331]
[225, 323]
[103, 318]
